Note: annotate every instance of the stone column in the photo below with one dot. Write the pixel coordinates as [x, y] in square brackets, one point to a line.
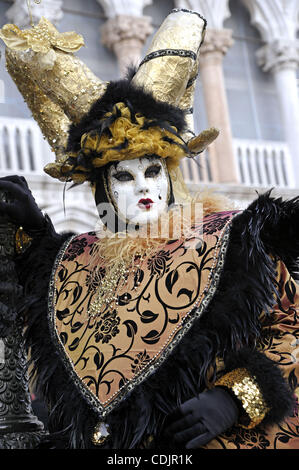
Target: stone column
[221, 152]
[281, 57]
[125, 35]
[217, 41]
[18, 13]
[277, 22]
[126, 30]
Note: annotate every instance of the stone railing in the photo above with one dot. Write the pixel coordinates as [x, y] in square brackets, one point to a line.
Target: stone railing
[22, 148]
[259, 163]
[264, 163]
[197, 170]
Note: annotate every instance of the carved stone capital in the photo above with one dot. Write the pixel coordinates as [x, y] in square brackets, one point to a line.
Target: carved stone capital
[125, 36]
[275, 19]
[216, 43]
[19, 15]
[124, 27]
[278, 54]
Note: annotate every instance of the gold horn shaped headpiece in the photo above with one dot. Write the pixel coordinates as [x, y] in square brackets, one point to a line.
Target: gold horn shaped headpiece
[174, 55]
[170, 68]
[106, 121]
[56, 85]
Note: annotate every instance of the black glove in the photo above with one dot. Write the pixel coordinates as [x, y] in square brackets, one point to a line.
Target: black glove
[200, 419]
[21, 207]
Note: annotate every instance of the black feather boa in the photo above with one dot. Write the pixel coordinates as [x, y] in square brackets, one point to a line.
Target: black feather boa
[228, 328]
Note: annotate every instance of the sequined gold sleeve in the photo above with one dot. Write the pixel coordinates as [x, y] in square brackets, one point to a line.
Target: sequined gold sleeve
[246, 390]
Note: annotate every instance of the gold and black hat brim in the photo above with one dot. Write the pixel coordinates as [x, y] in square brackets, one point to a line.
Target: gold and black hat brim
[138, 101]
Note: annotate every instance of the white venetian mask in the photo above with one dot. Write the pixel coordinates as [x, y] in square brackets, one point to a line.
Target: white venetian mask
[139, 189]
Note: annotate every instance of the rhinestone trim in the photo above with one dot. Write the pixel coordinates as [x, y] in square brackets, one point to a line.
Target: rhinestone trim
[185, 10]
[191, 81]
[168, 52]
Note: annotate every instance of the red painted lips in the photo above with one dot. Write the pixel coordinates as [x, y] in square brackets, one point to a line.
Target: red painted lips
[145, 203]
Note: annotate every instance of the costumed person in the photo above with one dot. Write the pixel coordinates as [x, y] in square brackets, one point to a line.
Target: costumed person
[179, 341]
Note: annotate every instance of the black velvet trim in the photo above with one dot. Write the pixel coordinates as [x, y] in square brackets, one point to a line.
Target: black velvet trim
[230, 324]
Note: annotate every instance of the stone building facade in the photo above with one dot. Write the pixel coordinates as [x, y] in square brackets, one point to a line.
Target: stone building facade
[247, 87]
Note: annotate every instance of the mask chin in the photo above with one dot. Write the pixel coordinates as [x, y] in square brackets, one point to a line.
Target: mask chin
[107, 208]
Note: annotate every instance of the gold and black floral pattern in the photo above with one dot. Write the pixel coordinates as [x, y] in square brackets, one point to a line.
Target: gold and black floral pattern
[158, 263]
[141, 359]
[284, 436]
[75, 249]
[280, 342]
[110, 353]
[249, 438]
[94, 278]
[215, 223]
[107, 327]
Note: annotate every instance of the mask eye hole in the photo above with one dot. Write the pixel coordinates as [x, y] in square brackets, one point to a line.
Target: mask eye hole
[152, 171]
[123, 176]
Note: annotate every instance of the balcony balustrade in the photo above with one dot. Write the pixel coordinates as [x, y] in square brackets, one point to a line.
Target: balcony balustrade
[23, 151]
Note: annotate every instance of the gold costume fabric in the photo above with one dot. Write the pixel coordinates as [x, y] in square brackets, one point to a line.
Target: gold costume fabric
[111, 353]
[280, 342]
